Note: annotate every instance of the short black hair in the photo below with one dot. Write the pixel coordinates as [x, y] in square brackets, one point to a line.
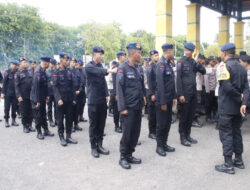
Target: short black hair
[231, 51]
[245, 58]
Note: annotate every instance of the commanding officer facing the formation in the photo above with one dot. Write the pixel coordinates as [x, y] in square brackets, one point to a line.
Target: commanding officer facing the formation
[9, 95]
[130, 94]
[64, 98]
[186, 91]
[97, 94]
[233, 97]
[38, 96]
[23, 83]
[165, 98]
[121, 56]
[151, 80]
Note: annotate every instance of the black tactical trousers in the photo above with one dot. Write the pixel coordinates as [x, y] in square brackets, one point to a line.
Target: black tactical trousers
[51, 103]
[115, 110]
[26, 112]
[97, 120]
[40, 116]
[131, 124]
[187, 111]
[81, 100]
[64, 111]
[230, 134]
[10, 101]
[164, 119]
[74, 114]
[151, 116]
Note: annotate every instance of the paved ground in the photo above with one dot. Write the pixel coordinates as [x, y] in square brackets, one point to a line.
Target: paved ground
[29, 164]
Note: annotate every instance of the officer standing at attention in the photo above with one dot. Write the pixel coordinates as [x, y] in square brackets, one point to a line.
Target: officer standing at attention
[77, 86]
[186, 91]
[38, 96]
[232, 101]
[165, 98]
[97, 94]
[151, 80]
[121, 56]
[64, 98]
[9, 94]
[130, 94]
[23, 81]
[32, 66]
[51, 103]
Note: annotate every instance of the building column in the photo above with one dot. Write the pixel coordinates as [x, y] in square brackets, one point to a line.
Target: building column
[239, 36]
[193, 24]
[163, 23]
[224, 34]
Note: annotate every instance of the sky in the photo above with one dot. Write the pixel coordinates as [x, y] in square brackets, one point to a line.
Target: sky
[131, 14]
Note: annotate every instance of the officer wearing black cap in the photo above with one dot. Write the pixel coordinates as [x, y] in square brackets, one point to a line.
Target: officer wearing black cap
[165, 98]
[38, 96]
[82, 96]
[232, 101]
[186, 91]
[151, 80]
[77, 86]
[97, 94]
[121, 56]
[51, 103]
[130, 94]
[23, 81]
[8, 93]
[65, 98]
[32, 66]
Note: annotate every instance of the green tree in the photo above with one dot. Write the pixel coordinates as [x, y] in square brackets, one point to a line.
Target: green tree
[212, 50]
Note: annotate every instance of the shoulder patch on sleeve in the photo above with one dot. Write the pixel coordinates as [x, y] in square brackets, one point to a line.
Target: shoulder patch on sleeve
[222, 72]
[179, 63]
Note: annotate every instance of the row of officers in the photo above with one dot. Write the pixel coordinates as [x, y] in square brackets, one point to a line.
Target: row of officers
[129, 97]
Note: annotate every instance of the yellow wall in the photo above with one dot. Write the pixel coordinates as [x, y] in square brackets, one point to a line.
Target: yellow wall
[239, 36]
[224, 34]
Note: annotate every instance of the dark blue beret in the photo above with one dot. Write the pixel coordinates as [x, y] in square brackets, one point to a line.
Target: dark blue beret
[120, 53]
[228, 46]
[167, 46]
[153, 51]
[15, 62]
[134, 45]
[53, 61]
[22, 59]
[98, 49]
[46, 59]
[63, 55]
[80, 61]
[189, 46]
[32, 61]
[72, 59]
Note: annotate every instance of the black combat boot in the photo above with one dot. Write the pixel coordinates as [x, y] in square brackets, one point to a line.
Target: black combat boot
[118, 129]
[70, 140]
[191, 140]
[51, 123]
[26, 129]
[94, 151]
[132, 160]
[77, 128]
[39, 135]
[184, 141]
[31, 129]
[160, 150]
[227, 167]
[152, 136]
[168, 148]
[102, 150]
[238, 162]
[48, 133]
[14, 123]
[123, 162]
[62, 140]
[7, 123]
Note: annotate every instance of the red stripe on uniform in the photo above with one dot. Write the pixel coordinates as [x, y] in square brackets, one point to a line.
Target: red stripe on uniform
[179, 63]
[55, 75]
[162, 66]
[120, 71]
[37, 73]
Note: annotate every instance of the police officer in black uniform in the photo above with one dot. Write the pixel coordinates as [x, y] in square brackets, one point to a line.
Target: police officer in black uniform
[51, 103]
[97, 94]
[151, 80]
[64, 98]
[32, 66]
[38, 96]
[165, 98]
[186, 91]
[9, 94]
[23, 81]
[121, 56]
[81, 98]
[130, 94]
[77, 86]
[232, 102]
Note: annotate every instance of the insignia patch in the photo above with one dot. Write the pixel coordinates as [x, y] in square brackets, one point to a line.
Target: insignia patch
[120, 71]
[222, 72]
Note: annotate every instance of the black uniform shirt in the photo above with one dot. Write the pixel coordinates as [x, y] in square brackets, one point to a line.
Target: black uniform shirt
[23, 83]
[9, 83]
